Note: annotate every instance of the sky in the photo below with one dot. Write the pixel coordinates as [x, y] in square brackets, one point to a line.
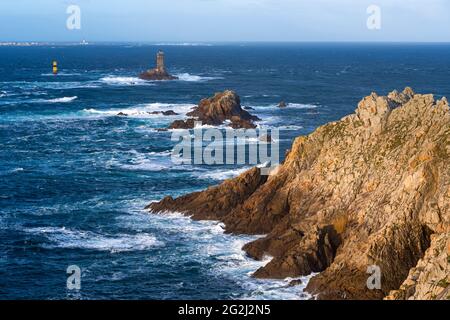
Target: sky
[226, 20]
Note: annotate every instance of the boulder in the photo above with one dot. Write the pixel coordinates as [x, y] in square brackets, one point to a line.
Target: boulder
[165, 113]
[216, 111]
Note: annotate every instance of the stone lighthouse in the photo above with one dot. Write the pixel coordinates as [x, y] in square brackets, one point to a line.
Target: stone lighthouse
[158, 73]
[160, 61]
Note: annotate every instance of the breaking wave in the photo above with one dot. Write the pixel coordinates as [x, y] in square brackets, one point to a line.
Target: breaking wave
[71, 239]
[222, 174]
[223, 255]
[124, 81]
[62, 100]
[194, 78]
[143, 111]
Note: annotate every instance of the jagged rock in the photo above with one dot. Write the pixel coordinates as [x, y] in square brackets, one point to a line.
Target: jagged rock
[121, 114]
[216, 110]
[165, 113]
[294, 283]
[370, 189]
[156, 75]
[183, 124]
[228, 195]
[282, 104]
[169, 113]
[430, 278]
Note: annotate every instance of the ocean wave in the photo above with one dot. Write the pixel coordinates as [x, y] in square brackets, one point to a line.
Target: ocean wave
[261, 96]
[143, 111]
[302, 106]
[223, 255]
[138, 161]
[272, 125]
[221, 174]
[72, 239]
[289, 105]
[62, 100]
[194, 78]
[124, 81]
[63, 74]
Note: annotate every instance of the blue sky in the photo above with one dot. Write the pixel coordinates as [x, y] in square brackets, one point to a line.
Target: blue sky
[225, 20]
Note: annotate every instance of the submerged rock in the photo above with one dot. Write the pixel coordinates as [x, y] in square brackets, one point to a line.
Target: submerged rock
[121, 114]
[165, 113]
[282, 104]
[216, 110]
[372, 189]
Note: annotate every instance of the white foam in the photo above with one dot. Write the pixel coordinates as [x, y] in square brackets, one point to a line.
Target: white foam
[302, 106]
[222, 174]
[64, 74]
[289, 105]
[161, 153]
[224, 253]
[143, 111]
[62, 100]
[152, 161]
[65, 238]
[194, 78]
[124, 81]
[267, 126]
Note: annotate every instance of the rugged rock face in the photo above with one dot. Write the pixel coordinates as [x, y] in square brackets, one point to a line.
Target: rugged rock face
[156, 75]
[216, 110]
[370, 189]
[430, 279]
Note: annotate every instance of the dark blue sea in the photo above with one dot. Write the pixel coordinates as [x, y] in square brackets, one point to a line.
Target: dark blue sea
[74, 177]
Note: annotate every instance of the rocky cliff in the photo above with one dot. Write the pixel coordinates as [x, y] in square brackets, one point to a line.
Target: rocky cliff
[372, 189]
[223, 106]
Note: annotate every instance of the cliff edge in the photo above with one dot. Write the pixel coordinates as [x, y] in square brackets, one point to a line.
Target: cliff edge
[372, 189]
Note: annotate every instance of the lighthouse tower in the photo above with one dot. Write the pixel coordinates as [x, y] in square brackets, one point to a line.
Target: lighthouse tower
[160, 61]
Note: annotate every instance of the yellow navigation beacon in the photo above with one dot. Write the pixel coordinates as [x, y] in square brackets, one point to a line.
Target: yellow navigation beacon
[55, 67]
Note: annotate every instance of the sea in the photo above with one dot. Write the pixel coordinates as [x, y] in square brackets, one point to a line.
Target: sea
[75, 177]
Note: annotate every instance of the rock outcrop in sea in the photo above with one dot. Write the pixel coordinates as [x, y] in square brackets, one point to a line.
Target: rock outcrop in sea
[216, 110]
[158, 73]
[369, 190]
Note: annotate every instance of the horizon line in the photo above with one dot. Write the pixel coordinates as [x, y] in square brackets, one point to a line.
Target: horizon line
[169, 42]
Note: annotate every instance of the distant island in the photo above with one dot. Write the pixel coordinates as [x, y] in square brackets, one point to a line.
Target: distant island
[158, 73]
